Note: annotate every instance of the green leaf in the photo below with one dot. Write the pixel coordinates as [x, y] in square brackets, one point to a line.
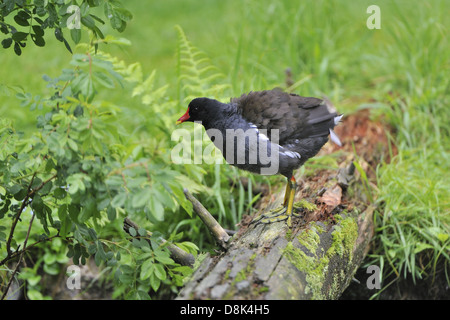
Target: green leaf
[184, 270]
[46, 188]
[38, 30]
[142, 232]
[37, 205]
[88, 22]
[34, 294]
[154, 282]
[102, 204]
[65, 220]
[75, 34]
[181, 198]
[119, 200]
[100, 255]
[75, 183]
[123, 14]
[126, 279]
[111, 212]
[103, 79]
[15, 189]
[98, 32]
[59, 34]
[132, 232]
[147, 269]
[36, 182]
[164, 259]
[9, 5]
[92, 249]
[97, 18]
[72, 144]
[74, 210]
[6, 43]
[156, 209]
[20, 20]
[23, 14]
[38, 40]
[49, 257]
[160, 272]
[420, 246]
[135, 242]
[442, 237]
[32, 281]
[126, 269]
[67, 45]
[143, 295]
[59, 193]
[141, 198]
[19, 36]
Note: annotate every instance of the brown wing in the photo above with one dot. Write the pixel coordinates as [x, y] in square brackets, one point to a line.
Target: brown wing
[296, 117]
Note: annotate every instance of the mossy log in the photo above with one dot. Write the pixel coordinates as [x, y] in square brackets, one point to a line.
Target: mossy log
[318, 257]
[314, 260]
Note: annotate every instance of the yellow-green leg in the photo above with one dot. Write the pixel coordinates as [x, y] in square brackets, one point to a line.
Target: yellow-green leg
[284, 212]
[290, 204]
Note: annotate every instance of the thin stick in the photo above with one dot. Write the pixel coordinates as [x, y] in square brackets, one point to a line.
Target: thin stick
[219, 234]
[20, 259]
[25, 202]
[17, 218]
[19, 252]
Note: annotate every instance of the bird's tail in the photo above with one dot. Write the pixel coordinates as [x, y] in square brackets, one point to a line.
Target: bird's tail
[333, 136]
[331, 108]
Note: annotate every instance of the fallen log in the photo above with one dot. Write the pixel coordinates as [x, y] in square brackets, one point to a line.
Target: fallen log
[318, 257]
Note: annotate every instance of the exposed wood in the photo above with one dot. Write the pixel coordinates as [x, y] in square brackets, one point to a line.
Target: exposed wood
[318, 257]
[219, 233]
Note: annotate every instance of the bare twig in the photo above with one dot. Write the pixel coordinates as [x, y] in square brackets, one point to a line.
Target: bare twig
[220, 235]
[20, 259]
[176, 253]
[17, 217]
[25, 202]
[19, 252]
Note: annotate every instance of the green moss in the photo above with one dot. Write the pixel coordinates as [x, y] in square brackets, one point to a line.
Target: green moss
[304, 204]
[315, 265]
[311, 266]
[244, 273]
[310, 238]
[262, 289]
[227, 274]
[344, 236]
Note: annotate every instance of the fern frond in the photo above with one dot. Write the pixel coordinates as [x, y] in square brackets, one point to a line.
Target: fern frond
[197, 76]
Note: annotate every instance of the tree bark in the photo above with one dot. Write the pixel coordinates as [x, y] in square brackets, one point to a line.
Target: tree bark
[314, 260]
[317, 258]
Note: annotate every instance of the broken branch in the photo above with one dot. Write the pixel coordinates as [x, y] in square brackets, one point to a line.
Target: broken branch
[176, 253]
[219, 234]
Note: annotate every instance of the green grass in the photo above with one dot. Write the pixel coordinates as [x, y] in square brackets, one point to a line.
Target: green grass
[416, 217]
[404, 67]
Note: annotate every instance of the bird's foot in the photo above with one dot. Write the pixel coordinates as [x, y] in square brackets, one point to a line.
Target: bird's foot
[276, 215]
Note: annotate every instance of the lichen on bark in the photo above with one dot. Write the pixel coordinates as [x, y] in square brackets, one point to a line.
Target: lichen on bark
[315, 264]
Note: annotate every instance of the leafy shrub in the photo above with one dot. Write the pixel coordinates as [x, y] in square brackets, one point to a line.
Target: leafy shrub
[82, 170]
[35, 18]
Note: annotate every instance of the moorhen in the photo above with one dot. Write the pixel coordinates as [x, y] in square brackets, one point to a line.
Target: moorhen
[267, 132]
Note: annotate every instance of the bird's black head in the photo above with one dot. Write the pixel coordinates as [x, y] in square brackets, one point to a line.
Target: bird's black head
[202, 109]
